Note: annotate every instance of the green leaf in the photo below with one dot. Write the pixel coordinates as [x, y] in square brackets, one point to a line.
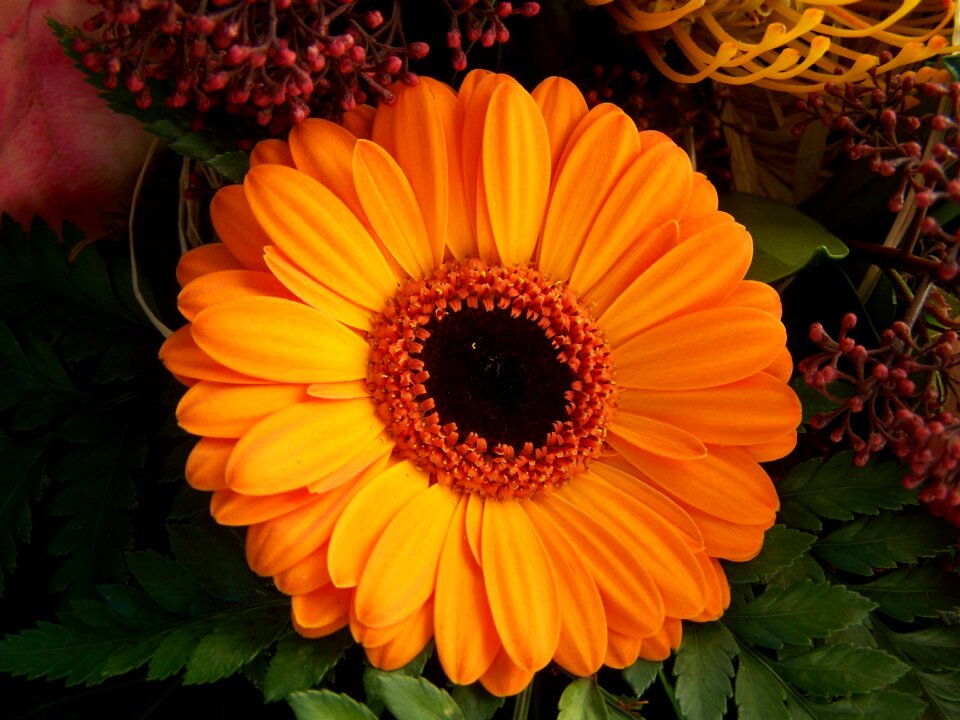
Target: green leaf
[21, 483]
[883, 704]
[943, 691]
[803, 568]
[703, 669]
[840, 670]
[168, 584]
[582, 700]
[782, 546]
[214, 557]
[913, 592]
[173, 652]
[232, 165]
[415, 698]
[933, 648]
[884, 541]
[758, 693]
[327, 705]
[95, 489]
[641, 675]
[837, 489]
[475, 701]
[300, 663]
[797, 614]
[234, 642]
[784, 239]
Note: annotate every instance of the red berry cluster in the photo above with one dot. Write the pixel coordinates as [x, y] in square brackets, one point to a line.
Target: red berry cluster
[480, 20]
[894, 396]
[273, 61]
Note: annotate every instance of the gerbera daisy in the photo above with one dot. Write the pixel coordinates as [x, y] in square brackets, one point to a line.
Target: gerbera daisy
[482, 367]
[788, 46]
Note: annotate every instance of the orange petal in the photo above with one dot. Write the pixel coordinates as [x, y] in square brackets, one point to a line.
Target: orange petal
[205, 259]
[516, 568]
[315, 294]
[583, 622]
[711, 221]
[504, 676]
[363, 521]
[228, 411]
[703, 198]
[400, 574]
[302, 444]
[206, 467]
[280, 340]
[651, 138]
[671, 287]
[753, 294]
[467, 640]
[359, 121]
[181, 356]
[782, 366]
[306, 576]
[424, 162]
[597, 161]
[361, 457]
[756, 409]
[718, 591]
[216, 287]
[279, 544]
[700, 350]
[391, 208]
[727, 483]
[660, 547]
[231, 508]
[474, 98]
[562, 106]
[318, 232]
[237, 228]
[602, 273]
[622, 650]
[656, 647]
[655, 436]
[515, 171]
[272, 152]
[415, 633]
[774, 449]
[631, 600]
[474, 526]
[324, 610]
[729, 540]
[324, 151]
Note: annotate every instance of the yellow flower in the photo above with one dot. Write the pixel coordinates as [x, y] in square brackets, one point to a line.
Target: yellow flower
[482, 367]
[788, 46]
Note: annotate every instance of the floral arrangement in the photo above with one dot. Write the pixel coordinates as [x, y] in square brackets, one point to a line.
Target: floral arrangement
[473, 359]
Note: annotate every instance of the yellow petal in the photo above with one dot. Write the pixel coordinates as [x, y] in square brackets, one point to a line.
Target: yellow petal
[391, 208]
[675, 285]
[562, 106]
[228, 411]
[205, 259]
[235, 225]
[339, 391]
[517, 569]
[515, 171]
[700, 350]
[756, 409]
[360, 458]
[363, 521]
[597, 161]
[216, 287]
[280, 340]
[318, 232]
[298, 446]
[400, 574]
[467, 640]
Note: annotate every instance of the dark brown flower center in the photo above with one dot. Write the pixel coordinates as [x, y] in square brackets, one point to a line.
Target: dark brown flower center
[492, 379]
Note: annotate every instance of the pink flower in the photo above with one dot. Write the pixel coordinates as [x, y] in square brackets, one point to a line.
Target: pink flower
[63, 153]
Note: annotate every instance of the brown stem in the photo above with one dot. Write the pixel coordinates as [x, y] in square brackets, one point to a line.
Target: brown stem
[893, 258]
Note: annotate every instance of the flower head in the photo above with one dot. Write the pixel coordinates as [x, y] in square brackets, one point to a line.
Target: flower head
[482, 367]
[792, 47]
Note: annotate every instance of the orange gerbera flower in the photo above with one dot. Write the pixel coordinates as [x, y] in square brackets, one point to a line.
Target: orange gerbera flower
[789, 46]
[483, 368]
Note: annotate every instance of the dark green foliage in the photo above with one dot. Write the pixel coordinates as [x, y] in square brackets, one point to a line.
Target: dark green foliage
[703, 668]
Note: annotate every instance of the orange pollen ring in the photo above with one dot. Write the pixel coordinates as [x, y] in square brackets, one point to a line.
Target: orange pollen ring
[397, 376]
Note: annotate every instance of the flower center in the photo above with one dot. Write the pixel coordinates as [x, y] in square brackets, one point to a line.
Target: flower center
[492, 379]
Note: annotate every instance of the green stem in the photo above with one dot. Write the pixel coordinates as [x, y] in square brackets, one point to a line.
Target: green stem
[668, 689]
[521, 708]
